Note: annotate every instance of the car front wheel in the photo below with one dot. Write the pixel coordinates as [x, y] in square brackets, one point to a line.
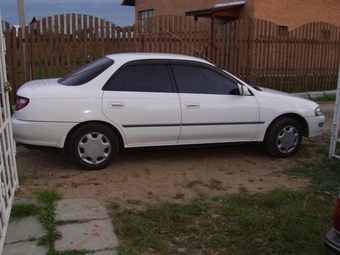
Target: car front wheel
[283, 138]
[93, 146]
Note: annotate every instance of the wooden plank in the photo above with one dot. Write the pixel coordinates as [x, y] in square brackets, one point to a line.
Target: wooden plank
[74, 53]
[40, 44]
[241, 30]
[91, 40]
[321, 61]
[113, 38]
[119, 43]
[21, 60]
[12, 62]
[102, 38]
[62, 47]
[107, 38]
[222, 46]
[80, 41]
[85, 38]
[48, 73]
[68, 40]
[129, 40]
[96, 39]
[56, 54]
[42, 50]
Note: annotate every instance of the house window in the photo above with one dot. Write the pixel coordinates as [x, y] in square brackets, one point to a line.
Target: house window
[146, 20]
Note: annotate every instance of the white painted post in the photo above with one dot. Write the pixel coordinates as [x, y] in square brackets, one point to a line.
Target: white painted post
[335, 127]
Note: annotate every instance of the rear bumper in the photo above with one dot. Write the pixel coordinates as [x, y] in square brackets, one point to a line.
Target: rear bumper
[51, 134]
[315, 125]
[332, 243]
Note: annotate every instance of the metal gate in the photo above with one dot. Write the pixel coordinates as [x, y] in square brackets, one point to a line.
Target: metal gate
[8, 170]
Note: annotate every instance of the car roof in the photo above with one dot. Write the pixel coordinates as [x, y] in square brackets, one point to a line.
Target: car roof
[127, 57]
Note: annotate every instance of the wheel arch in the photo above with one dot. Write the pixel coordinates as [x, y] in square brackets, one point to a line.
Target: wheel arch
[113, 128]
[301, 120]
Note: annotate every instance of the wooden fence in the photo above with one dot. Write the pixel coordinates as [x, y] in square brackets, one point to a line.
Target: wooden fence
[257, 51]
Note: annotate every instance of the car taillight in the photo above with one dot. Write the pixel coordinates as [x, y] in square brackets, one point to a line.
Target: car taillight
[336, 220]
[21, 103]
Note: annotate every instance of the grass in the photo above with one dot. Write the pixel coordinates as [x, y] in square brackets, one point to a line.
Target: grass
[282, 221]
[325, 176]
[325, 97]
[278, 222]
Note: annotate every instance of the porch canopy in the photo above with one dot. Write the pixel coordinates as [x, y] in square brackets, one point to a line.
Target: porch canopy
[227, 10]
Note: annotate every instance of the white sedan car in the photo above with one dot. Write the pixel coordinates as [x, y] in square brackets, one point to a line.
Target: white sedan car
[141, 100]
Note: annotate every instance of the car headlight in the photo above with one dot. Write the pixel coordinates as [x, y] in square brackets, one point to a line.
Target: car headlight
[318, 111]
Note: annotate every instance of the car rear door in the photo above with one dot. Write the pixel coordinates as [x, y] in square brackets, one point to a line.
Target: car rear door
[141, 99]
[212, 108]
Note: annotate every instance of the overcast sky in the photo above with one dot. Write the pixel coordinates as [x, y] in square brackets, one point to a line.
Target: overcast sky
[111, 10]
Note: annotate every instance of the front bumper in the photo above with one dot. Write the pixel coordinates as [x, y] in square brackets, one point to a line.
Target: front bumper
[332, 243]
[51, 134]
[315, 125]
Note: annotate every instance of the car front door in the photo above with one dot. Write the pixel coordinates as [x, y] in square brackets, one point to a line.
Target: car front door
[212, 108]
[140, 98]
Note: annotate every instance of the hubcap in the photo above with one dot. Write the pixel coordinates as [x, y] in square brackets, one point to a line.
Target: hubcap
[287, 139]
[94, 148]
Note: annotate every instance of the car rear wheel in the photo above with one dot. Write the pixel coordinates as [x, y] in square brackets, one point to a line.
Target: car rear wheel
[283, 138]
[93, 146]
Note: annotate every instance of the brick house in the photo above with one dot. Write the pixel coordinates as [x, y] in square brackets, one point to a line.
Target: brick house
[288, 13]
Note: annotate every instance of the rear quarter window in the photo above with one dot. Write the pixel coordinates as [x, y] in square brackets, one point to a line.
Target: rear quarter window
[86, 73]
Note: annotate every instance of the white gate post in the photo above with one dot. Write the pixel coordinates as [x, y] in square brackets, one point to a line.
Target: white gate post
[335, 127]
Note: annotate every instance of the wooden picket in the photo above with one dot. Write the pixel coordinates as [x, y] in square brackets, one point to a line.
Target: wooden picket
[257, 51]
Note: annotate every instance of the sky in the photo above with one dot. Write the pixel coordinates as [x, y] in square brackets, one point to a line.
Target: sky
[111, 10]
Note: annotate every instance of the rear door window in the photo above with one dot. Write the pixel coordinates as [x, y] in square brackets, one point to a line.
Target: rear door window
[142, 76]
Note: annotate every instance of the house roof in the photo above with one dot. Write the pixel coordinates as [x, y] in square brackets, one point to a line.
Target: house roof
[230, 10]
[129, 2]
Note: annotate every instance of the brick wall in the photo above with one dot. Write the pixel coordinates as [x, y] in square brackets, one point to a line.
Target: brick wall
[295, 13]
[291, 13]
[179, 7]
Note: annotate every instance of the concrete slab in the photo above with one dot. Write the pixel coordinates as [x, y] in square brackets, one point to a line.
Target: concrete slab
[79, 209]
[24, 200]
[93, 235]
[24, 230]
[104, 253]
[27, 248]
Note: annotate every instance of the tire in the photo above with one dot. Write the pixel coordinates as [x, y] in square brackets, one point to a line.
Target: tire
[93, 146]
[283, 138]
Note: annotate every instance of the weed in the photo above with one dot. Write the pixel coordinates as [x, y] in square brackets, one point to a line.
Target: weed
[214, 184]
[48, 196]
[114, 206]
[134, 202]
[24, 210]
[179, 195]
[193, 183]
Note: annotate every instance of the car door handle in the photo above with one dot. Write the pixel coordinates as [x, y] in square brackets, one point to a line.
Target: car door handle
[192, 105]
[116, 104]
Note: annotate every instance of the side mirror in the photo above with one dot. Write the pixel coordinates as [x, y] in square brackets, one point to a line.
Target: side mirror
[240, 89]
[244, 91]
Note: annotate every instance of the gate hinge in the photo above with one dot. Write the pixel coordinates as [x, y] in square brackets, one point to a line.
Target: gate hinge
[8, 87]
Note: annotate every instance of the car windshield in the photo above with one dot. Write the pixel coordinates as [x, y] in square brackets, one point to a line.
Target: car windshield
[86, 73]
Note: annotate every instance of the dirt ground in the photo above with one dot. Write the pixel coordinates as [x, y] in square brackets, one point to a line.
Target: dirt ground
[148, 177]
